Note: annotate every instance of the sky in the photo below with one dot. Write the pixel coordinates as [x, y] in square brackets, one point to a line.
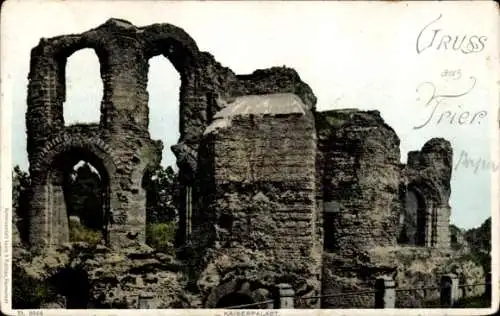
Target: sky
[384, 56]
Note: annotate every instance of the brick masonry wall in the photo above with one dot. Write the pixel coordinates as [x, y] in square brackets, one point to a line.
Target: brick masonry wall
[360, 179]
[263, 206]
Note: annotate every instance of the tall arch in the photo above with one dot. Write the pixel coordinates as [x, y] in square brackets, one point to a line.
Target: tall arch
[49, 217]
[83, 97]
[163, 87]
[182, 53]
[422, 203]
[59, 177]
[413, 219]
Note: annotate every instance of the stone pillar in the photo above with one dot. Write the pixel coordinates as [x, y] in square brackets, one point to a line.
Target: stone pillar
[385, 293]
[285, 296]
[125, 87]
[449, 290]
[43, 98]
[443, 238]
[38, 218]
[428, 227]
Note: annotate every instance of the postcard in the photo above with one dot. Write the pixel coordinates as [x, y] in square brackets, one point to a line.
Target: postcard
[249, 158]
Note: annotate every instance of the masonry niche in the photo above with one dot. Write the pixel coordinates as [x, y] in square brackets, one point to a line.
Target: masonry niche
[413, 220]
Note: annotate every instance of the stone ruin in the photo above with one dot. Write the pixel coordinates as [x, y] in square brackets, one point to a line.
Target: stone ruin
[275, 191]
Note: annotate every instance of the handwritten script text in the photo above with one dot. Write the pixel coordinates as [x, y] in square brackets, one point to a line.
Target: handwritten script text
[438, 39]
[437, 99]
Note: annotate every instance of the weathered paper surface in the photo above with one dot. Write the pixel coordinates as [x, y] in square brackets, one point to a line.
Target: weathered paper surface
[371, 154]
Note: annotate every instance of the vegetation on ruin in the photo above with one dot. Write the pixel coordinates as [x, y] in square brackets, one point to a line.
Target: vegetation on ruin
[161, 236]
[161, 211]
[456, 234]
[28, 292]
[477, 242]
[83, 198]
[78, 232]
[479, 238]
[162, 195]
[479, 301]
[335, 121]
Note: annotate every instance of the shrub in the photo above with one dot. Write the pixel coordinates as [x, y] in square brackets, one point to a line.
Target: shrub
[161, 236]
[28, 292]
[78, 232]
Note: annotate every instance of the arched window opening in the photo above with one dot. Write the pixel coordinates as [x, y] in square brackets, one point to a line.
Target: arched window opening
[413, 220]
[234, 299]
[84, 88]
[163, 87]
[161, 185]
[79, 197]
[85, 198]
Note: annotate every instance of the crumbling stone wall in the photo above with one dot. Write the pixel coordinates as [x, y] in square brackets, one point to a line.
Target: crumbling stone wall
[428, 176]
[360, 174]
[123, 51]
[273, 191]
[366, 191]
[260, 222]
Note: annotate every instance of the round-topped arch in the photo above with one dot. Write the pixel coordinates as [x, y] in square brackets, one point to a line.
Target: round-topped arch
[422, 201]
[86, 142]
[169, 44]
[47, 80]
[55, 172]
[239, 292]
[172, 42]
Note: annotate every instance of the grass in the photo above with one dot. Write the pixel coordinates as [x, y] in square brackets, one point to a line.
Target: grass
[480, 301]
[78, 232]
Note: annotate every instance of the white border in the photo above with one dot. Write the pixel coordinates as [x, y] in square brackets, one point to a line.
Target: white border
[6, 218]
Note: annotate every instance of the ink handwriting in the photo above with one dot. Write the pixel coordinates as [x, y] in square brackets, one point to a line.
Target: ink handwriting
[438, 100]
[439, 39]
